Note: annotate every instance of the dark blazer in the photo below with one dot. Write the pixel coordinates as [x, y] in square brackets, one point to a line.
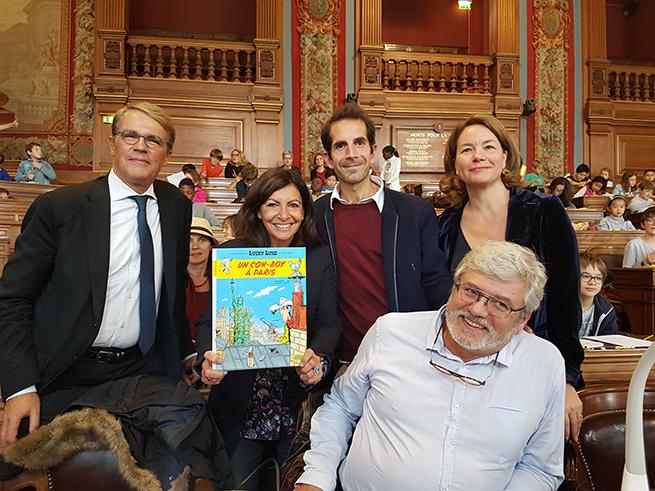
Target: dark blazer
[229, 399]
[416, 273]
[604, 317]
[541, 224]
[52, 293]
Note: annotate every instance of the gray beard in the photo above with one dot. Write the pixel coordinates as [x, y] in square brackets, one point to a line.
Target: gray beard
[492, 342]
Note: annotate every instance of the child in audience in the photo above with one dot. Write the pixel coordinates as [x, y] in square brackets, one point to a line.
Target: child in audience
[4, 175]
[199, 195]
[4, 194]
[535, 178]
[628, 186]
[245, 179]
[200, 210]
[615, 219]
[229, 226]
[644, 200]
[606, 172]
[598, 315]
[34, 169]
[330, 183]
[317, 187]
[561, 187]
[649, 175]
[212, 167]
[597, 187]
[641, 252]
[581, 176]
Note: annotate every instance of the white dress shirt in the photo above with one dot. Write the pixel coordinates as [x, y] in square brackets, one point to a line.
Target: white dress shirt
[120, 319]
[421, 429]
[378, 196]
[390, 172]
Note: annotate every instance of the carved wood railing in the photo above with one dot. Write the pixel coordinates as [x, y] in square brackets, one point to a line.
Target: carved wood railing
[158, 57]
[631, 83]
[431, 72]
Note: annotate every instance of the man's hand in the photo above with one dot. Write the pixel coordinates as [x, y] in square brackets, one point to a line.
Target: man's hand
[572, 414]
[306, 487]
[189, 374]
[209, 375]
[30, 176]
[17, 408]
[310, 370]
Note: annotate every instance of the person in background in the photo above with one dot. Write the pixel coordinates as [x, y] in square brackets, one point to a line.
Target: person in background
[649, 175]
[614, 220]
[628, 186]
[535, 178]
[175, 178]
[330, 184]
[229, 226]
[246, 178]
[644, 200]
[640, 252]
[4, 194]
[4, 175]
[199, 195]
[606, 172]
[212, 167]
[35, 170]
[561, 188]
[581, 176]
[317, 187]
[481, 163]
[257, 410]
[233, 167]
[198, 290]
[200, 210]
[390, 168]
[287, 160]
[320, 169]
[598, 315]
[596, 187]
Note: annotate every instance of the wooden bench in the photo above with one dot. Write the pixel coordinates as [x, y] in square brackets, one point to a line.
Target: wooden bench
[29, 192]
[590, 217]
[595, 202]
[219, 182]
[221, 194]
[610, 240]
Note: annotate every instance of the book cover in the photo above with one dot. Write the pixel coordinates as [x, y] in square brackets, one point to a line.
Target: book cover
[259, 312]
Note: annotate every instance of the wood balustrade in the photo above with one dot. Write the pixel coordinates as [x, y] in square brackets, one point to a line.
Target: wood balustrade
[159, 57]
[430, 72]
[631, 83]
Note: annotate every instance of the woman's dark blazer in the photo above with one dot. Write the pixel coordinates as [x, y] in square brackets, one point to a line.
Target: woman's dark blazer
[229, 399]
[541, 224]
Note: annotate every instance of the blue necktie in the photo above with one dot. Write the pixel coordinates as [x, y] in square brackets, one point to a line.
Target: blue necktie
[147, 306]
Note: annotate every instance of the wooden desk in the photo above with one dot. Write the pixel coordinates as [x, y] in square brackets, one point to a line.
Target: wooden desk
[590, 216]
[636, 289]
[29, 192]
[615, 239]
[611, 366]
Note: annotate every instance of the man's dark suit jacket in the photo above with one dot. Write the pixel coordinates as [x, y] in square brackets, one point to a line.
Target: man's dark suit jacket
[52, 293]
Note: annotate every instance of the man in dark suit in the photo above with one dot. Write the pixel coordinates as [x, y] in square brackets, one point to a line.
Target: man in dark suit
[92, 300]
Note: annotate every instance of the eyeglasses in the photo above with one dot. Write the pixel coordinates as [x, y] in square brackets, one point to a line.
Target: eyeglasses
[462, 378]
[495, 306]
[649, 220]
[132, 137]
[587, 278]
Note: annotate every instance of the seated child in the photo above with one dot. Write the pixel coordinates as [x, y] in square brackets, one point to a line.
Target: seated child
[598, 315]
[200, 210]
[615, 219]
[317, 187]
[212, 167]
[199, 195]
[581, 176]
[649, 175]
[641, 252]
[628, 186]
[330, 183]
[535, 178]
[229, 226]
[245, 179]
[597, 187]
[643, 201]
[606, 172]
[4, 194]
[34, 169]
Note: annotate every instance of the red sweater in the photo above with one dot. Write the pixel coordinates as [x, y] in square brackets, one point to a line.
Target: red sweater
[362, 294]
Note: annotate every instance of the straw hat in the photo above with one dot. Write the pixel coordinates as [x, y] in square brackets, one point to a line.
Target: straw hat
[201, 226]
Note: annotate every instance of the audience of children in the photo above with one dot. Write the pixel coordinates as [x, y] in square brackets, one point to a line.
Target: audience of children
[596, 187]
[34, 169]
[535, 178]
[212, 167]
[641, 252]
[581, 176]
[615, 219]
[628, 186]
[233, 167]
[245, 179]
[598, 314]
[606, 172]
[644, 200]
[4, 175]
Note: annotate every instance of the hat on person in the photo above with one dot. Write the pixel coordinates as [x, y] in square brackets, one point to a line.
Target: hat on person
[201, 226]
[284, 302]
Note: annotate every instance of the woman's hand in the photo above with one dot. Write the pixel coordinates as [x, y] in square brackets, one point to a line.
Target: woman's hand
[209, 375]
[310, 370]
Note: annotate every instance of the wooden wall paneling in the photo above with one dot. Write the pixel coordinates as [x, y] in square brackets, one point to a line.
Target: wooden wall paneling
[635, 151]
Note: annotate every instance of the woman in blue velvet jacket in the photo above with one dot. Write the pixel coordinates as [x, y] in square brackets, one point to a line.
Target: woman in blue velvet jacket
[482, 162]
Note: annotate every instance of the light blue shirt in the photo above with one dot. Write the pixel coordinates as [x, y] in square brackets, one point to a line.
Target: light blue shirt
[420, 429]
[39, 176]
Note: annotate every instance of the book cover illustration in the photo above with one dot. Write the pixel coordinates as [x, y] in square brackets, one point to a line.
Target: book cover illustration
[259, 307]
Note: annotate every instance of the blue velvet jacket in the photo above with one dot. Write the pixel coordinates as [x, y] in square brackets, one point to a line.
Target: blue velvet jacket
[541, 223]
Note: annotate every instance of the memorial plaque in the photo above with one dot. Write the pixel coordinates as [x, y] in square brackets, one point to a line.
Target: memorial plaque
[421, 149]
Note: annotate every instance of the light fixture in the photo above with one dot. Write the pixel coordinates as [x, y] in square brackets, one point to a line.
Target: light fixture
[464, 4]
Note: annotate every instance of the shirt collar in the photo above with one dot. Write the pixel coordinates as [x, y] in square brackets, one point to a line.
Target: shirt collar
[505, 355]
[118, 190]
[378, 196]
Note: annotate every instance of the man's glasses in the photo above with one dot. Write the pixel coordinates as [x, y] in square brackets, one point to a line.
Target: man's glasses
[587, 278]
[495, 306]
[462, 378]
[132, 137]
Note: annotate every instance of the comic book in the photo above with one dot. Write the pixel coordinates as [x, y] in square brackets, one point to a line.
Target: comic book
[259, 313]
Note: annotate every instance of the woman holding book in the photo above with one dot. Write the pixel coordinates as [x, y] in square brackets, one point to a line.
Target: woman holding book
[256, 410]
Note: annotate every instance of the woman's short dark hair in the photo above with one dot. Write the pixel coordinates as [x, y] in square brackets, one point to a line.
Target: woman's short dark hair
[451, 185]
[250, 227]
